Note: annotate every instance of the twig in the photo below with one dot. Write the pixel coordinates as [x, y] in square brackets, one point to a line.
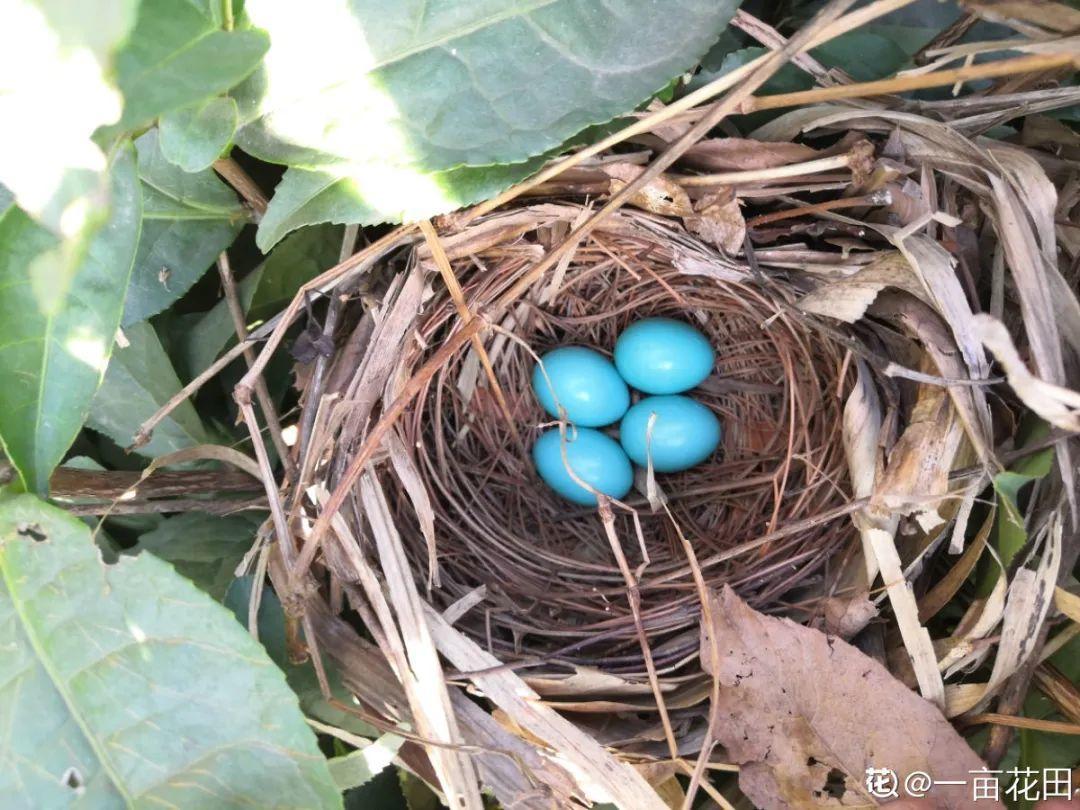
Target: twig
[67, 482]
[273, 496]
[236, 177]
[775, 173]
[318, 375]
[146, 429]
[163, 506]
[771, 38]
[874, 198]
[375, 437]
[322, 282]
[902, 84]
[1008, 720]
[956, 29]
[458, 297]
[633, 596]
[266, 402]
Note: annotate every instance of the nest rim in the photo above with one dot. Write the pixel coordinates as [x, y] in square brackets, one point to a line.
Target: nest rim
[637, 255]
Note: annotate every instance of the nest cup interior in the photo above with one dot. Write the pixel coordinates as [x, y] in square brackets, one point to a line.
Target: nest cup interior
[554, 590]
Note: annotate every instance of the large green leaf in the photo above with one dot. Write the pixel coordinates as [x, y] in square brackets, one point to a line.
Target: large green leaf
[140, 379]
[178, 55]
[54, 92]
[55, 343]
[204, 548]
[443, 84]
[301, 257]
[188, 219]
[370, 194]
[301, 677]
[125, 686]
[194, 137]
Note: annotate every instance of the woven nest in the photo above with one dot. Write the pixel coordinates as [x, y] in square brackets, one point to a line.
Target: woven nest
[553, 590]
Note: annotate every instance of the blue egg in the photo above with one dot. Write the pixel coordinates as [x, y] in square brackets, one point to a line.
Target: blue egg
[594, 457]
[685, 432]
[586, 384]
[663, 356]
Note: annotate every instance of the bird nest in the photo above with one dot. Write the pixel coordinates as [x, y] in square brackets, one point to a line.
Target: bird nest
[534, 578]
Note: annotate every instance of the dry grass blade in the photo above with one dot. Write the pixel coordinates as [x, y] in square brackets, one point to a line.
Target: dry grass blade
[602, 776]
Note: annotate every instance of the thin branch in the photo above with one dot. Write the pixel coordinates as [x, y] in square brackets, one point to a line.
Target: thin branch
[902, 84]
[247, 188]
[67, 482]
[262, 393]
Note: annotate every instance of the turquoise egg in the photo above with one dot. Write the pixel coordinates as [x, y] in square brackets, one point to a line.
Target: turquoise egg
[685, 432]
[663, 356]
[594, 457]
[586, 385]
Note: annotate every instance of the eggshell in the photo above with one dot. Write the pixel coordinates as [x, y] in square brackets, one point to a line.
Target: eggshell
[684, 434]
[663, 356]
[585, 383]
[594, 457]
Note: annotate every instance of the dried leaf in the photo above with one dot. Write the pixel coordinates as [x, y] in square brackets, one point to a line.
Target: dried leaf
[1057, 405]
[802, 744]
[1031, 593]
[916, 476]
[718, 220]
[848, 299]
[862, 433]
[661, 195]
[727, 154]
[1068, 603]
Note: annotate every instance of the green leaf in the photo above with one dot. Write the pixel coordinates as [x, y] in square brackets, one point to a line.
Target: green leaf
[178, 55]
[472, 83]
[362, 765]
[188, 219]
[57, 338]
[721, 60]
[371, 194]
[125, 686]
[302, 256]
[54, 92]
[194, 137]
[301, 677]
[140, 379]
[865, 54]
[204, 548]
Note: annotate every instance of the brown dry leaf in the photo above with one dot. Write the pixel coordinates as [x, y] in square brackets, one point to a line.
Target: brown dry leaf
[1051, 16]
[848, 299]
[718, 220]
[585, 681]
[916, 476]
[1057, 405]
[740, 154]
[799, 710]
[659, 196]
